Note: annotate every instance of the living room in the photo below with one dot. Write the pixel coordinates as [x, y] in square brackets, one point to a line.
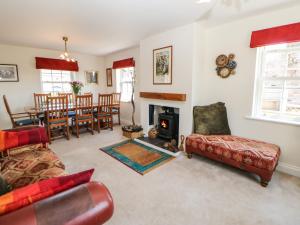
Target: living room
[213, 69]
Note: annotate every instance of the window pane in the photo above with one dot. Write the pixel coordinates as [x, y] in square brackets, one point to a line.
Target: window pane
[46, 77]
[293, 73]
[57, 87]
[124, 83]
[275, 64]
[66, 76]
[271, 105]
[47, 87]
[66, 87]
[56, 77]
[272, 94]
[294, 60]
[293, 101]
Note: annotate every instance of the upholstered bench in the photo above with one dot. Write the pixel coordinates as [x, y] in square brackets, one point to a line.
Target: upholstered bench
[253, 156]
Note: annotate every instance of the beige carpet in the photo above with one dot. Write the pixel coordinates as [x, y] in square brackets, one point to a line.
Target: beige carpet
[183, 191]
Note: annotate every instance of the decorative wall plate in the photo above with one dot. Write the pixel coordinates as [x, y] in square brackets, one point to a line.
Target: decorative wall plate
[224, 72]
[222, 60]
[226, 65]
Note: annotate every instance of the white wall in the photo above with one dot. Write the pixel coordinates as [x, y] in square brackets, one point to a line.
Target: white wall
[126, 107]
[182, 40]
[237, 90]
[20, 94]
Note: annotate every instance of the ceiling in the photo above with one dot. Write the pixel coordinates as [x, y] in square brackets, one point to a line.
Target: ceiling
[100, 27]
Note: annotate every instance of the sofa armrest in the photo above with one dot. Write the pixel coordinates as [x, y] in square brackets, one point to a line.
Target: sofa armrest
[14, 138]
[86, 204]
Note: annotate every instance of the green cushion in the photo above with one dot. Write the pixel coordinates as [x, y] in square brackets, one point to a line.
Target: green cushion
[4, 187]
[211, 119]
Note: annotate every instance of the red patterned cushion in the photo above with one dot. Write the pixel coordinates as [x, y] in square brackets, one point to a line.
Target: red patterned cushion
[27, 195]
[16, 138]
[242, 150]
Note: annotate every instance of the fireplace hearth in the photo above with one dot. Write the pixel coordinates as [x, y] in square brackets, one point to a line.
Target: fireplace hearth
[165, 120]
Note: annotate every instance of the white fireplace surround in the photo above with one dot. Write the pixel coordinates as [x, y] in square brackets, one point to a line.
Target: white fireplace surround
[185, 117]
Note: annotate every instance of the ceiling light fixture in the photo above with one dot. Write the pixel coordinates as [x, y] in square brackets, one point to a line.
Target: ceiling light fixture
[65, 55]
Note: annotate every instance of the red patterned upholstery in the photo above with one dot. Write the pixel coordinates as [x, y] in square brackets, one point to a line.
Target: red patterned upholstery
[19, 137]
[30, 164]
[32, 193]
[253, 156]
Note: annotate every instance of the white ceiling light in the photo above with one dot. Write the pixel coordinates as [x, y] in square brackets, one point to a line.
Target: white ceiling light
[202, 1]
[65, 55]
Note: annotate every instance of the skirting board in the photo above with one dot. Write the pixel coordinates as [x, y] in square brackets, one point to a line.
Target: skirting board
[289, 169]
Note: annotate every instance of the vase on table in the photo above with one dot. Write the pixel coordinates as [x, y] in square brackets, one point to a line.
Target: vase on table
[76, 87]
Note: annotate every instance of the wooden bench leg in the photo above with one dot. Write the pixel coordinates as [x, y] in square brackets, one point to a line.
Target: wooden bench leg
[264, 183]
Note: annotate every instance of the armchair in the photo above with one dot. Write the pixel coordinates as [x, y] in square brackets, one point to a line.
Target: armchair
[19, 119]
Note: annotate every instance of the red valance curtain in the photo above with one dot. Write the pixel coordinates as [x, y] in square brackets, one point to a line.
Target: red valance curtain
[124, 63]
[276, 35]
[56, 64]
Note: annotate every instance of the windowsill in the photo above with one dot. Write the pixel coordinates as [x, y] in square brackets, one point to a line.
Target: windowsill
[273, 120]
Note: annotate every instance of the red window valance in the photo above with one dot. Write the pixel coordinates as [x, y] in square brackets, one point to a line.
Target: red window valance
[276, 35]
[124, 63]
[56, 64]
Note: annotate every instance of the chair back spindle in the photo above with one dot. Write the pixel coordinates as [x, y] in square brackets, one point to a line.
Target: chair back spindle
[105, 103]
[84, 106]
[69, 96]
[57, 109]
[40, 101]
[116, 98]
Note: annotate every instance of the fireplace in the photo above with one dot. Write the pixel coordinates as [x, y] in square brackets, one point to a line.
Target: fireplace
[166, 120]
[168, 124]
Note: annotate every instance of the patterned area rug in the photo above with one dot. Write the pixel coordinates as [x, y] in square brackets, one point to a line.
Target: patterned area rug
[137, 156]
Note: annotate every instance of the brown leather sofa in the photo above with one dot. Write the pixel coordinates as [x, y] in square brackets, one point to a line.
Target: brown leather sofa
[86, 204]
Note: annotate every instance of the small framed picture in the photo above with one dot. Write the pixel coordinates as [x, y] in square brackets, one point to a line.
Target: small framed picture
[109, 77]
[9, 73]
[162, 65]
[91, 77]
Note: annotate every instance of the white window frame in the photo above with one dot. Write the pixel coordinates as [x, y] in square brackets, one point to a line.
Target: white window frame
[281, 116]
[119, 83]
[72, 74]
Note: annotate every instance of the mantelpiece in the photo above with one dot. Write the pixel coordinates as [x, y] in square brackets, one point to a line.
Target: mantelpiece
[164, 96]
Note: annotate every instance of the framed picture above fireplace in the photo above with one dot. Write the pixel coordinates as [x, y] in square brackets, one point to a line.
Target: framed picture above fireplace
[162, 65]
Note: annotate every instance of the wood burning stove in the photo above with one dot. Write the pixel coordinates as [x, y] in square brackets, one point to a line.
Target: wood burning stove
[168, 124]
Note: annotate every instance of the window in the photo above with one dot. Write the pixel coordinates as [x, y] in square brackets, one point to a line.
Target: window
[277, 89]
[55, 81]
[124, 82]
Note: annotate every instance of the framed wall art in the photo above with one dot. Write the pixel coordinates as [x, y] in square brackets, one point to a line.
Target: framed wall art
[9, 73]
[91, 77]
[162, 65]
[109, 77]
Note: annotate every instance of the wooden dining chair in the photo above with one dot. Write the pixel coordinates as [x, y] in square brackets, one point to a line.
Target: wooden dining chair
[56, 116]
[19, 119]
[83, 113]
[70, 97]
[40, 101]
[71, 102]
[104, 111]
[116, 107]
